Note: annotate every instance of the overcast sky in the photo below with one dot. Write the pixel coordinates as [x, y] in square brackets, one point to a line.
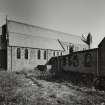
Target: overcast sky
[70, 16]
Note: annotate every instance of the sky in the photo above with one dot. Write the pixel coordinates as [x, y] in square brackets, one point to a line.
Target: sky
[71, 16]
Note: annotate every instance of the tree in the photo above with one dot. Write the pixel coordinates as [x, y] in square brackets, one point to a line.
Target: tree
[87, 40]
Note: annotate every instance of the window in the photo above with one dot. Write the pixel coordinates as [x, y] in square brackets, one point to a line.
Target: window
[77, 48]
[26, 53]
[54, 53]
[18, 53]
[39, 54]
[57, 53]
[61, 53]
[45, 54]
[84, 48]
[67, 47]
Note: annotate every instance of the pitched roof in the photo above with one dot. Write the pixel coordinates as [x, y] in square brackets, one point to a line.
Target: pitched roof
[23, 40]
[102, 42]
[22, 28]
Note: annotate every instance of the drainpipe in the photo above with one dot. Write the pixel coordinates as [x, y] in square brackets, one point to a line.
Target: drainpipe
[97, 62]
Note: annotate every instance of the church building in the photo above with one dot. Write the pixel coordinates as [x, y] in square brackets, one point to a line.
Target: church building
[25, 46]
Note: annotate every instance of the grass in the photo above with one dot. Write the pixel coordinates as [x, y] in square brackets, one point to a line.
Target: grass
[23, 88]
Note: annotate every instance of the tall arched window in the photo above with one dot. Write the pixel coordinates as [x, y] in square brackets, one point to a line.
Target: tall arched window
[57, 53]
[39, 54]
[26, 53]
[18, 53]
[45, 54]
[54, 53]
[61, 53]
[67, 47]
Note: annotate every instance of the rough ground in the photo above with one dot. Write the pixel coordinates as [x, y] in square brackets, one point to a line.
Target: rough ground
[24, 89]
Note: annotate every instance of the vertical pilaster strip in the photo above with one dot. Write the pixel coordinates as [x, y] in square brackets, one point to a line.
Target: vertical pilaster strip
[11, 58]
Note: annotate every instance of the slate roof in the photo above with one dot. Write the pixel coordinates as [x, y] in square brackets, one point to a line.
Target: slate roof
[22, 28]
[23, 40]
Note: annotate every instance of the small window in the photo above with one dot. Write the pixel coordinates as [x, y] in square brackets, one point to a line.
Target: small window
[18, 53]
[26, 53]
[39, 54]
[45, 54]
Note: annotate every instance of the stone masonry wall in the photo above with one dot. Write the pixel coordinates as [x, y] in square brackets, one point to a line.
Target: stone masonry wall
[14, 64]
[81, 61]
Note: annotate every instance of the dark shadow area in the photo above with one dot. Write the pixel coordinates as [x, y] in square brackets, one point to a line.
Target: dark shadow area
[75, 78]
